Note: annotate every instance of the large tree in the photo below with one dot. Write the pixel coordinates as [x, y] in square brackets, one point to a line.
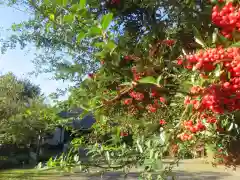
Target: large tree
[14, 93]
[24, 114]
[70, 55]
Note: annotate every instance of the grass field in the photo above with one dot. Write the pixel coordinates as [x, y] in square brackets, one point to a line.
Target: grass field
[187, 170]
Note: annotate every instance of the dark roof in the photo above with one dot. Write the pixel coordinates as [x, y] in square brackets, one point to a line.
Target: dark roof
[69, 114]
[85, 123]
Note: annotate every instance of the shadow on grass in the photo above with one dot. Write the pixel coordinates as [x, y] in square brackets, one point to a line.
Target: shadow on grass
[45, 174]
[180, 175]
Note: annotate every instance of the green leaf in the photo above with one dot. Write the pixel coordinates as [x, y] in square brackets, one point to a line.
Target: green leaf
[68, 18]
[82, 4]
[95, 31]
[74, 7]
[106, 20]
[189, 108]
[148, 143]
[47, 27]
[107, 156]
[229, 75]
[76, 158]
[28, 112]
[126, 84]
[52, 17]
[184, 52]
[231, 127]
[162, 137]
[214, 37]
[222, 39]
[151, 153]
[218, 70]
[159, 79]
[62, 2]
[173, 104]
[158, 164]
[80, 36]
[237, 44]
[148, 80]
[139, 147]
[198, 38]
[99, 44]
[148, 162]
[102, 119]
[111, 46]
[84, 107]
[100, 54]
[156, 156]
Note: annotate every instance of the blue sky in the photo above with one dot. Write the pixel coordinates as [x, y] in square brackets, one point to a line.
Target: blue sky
[18, 61]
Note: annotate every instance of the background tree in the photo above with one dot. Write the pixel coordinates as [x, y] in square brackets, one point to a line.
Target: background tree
[24, 115]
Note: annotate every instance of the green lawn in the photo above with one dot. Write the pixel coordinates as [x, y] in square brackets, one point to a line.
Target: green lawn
[21, 174]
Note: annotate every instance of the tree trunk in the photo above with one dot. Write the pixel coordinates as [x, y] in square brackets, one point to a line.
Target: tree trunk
[39, 141]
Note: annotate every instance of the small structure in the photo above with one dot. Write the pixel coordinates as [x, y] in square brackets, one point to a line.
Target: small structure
[62, 136]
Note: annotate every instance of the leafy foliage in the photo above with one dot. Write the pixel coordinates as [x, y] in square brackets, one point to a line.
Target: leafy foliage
[24, 115]
[133, 52]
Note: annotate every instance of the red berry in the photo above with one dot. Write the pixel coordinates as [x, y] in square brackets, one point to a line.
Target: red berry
[179, 61]
[127, 101]
[151, 108]
[115, 2]
[123, 134]
[169, 42]
[162, 122]
[91, 75]
[162, 100]
[154, 93]
[127, 58]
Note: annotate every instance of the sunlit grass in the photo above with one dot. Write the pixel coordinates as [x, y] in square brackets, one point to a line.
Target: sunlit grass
[29, 174]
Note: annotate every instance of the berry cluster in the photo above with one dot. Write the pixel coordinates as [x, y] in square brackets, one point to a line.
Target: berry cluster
[168, 42]
[152, 100]
[191, 128]
[217, 98]
[225, 95]
[185, 136]
[196, 90]
[211, 120]
[222, 97]
[158, 101]
[227, 18]
[151, 108]
[194, 128]
[136, 75]
[136, 95]
[206, 60]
